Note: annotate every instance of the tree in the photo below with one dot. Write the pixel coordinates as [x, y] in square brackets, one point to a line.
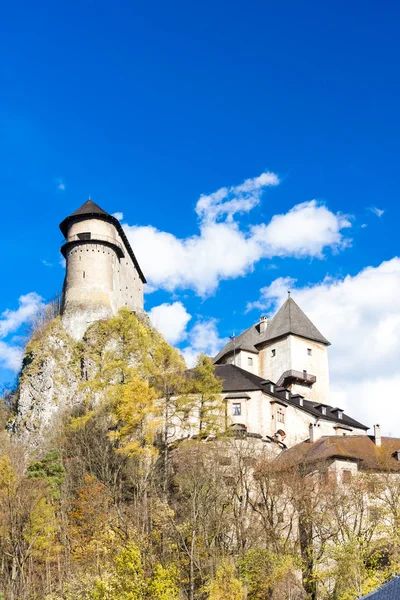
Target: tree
[163, 585]
[27, 529]
[206, 389]
[225, 585]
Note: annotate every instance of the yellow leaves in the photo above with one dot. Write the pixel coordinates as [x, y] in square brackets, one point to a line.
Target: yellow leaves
[7, 475]
[136, 416]
[225, 585]
[78, 423]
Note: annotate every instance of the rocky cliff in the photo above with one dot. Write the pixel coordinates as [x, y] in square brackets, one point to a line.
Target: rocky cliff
[59, 373]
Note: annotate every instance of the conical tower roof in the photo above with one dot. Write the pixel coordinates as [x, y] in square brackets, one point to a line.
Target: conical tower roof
[291, 319]
[87, 209]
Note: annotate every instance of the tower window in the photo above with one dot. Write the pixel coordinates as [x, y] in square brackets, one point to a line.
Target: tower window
[273, 352]
[83, 274]
[236, 409]
[84, 236]
[309, 351]
[250, 361]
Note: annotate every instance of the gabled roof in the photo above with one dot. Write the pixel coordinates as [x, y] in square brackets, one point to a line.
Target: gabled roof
[88, 209]
[235, 379]
[389, 591]
[360, 448]
[291, 319]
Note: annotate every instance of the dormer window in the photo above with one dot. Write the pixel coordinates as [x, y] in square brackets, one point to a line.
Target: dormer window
[340, 414]
[273, 353]
[323, 410]
[250, 361]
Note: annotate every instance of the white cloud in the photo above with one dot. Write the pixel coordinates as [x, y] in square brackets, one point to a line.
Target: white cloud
[10, 356]
[60, 184]
[306, 230]
[203, 337]
[171, 321]
[360, 315]
[237, 199]
[10, 321]
[224, 249]
[46, 263]
[377, 211]
[118, 215]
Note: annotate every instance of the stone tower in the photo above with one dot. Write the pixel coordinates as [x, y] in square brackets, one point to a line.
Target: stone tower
[102, 273]
[294, 354]
[288, 350]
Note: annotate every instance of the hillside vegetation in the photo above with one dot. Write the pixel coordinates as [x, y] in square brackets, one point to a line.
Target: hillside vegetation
[106, 505]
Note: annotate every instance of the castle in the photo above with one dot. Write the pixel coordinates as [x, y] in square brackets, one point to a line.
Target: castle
[275, 374]
[102, 273]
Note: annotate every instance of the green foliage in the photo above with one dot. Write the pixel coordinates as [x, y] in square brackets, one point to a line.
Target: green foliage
[51, 469]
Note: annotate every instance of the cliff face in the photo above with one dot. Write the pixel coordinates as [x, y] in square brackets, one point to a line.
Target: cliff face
[59, 373]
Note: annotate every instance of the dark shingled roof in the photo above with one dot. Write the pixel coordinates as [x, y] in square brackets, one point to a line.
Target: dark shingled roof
[235, 379]
[89, 209]
[389, 591]
[289, 319]
[360, 448]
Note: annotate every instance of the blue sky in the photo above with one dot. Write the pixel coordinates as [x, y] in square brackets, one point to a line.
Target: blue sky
[149, 106]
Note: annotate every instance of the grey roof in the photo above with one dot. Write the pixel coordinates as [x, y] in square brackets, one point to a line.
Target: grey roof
[289, 319]
[89, 208]
[235, 379]
[389, 591]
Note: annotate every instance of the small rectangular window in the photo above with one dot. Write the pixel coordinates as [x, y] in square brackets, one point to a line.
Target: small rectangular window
[340, 414]
[280, 415]
[273, 352]
[250, 361]
[323, 410]
[236, 409]
[83, 274]
[309, 351]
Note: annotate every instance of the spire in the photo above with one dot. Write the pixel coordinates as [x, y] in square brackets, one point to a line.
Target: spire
[291, 319]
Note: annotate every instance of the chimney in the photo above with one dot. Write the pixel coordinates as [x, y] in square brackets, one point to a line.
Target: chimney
[315, 432]
[263, 323]
[377, 435]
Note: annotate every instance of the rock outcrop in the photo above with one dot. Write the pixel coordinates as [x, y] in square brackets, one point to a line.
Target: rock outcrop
[60, 373]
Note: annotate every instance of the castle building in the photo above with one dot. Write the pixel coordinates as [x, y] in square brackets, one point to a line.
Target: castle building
[288, 350]
[276, 381]
[102, 272]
